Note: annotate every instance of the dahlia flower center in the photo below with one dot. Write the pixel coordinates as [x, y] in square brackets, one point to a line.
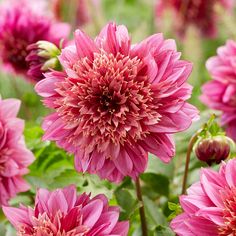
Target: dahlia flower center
[229, 213]
[15, 51]
[111, 101]
[108, 102]
[57, 225]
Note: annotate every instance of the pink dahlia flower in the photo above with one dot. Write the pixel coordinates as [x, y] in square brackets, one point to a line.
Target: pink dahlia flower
[210, 206]
[63, 213]
[200, 13]
[14, 156]
[20, 26]
[116, 102]
[220, 93]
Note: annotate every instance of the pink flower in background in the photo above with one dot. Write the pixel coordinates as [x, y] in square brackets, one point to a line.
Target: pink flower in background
[210, 206]
[14, 156]
[20, 26]
[81, 11]
[220, 93]
[200, 13]
[116, 102]
[62, 212]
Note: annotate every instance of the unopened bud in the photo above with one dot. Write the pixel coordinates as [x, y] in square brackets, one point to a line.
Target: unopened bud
[42, 57]
[52, 63]
[213, 149]
[47, 49]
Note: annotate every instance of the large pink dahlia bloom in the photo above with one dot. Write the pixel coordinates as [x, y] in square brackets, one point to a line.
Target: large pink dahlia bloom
[116, 102]
[20, 26]
[200, 13]
[63, 213]
[220, 93]
[210, 206]
[14, 156]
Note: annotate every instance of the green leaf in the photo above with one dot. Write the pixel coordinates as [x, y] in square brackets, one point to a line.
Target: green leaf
[30, 99]
[156, 166]
[93, 184]
[175, 208]
[127, 201]
[163, 231]
[155, 184]
[153, 213]
[2, 229]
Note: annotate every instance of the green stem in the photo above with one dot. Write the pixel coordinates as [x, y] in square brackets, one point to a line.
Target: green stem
[141, 209]
[188, 155]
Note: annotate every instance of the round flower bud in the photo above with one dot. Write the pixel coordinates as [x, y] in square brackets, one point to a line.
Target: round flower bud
[213, 150]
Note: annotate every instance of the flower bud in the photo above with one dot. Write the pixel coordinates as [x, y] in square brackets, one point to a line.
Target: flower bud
[47, 49]
[42, 57]
[213, 149]
[52, 63]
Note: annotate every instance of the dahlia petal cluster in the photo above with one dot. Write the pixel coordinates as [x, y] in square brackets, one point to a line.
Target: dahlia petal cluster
[210, 205]
[115, 102]
[200, 13]
[63, 213]
[220, 92]
[20, 26]
[14, 156]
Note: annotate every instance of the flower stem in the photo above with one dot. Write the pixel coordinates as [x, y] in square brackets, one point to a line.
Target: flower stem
[188, 155]
[141, 209]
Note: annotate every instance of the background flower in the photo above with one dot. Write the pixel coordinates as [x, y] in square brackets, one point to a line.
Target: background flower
[220, 92]
[14, 156]
[209, 207]
[20, 26]
[62, 212]
[77, 12]
[115, 103]
[200, 13]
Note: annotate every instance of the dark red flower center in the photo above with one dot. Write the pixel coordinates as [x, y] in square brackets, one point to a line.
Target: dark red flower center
[15, 51]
